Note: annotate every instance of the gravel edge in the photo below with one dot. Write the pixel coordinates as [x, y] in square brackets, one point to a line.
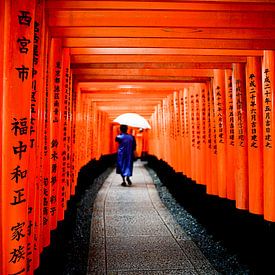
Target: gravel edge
[222, 260]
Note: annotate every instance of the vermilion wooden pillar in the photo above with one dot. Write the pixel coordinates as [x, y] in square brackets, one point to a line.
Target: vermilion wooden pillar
[187, 135]
[78, 126]
[165, 150]
[192, 129]
[36, 148]
[214, 163]
[220, 124]
[63, 192]
[45, 174]
[16, 100]
[69, 118]
[230, 129]
[73, 170]
[39, 61]
[55, 96]
[99, 131]
[145, 138]
[3, 38]
[81, 135]
[92, 139]
[198, 152]
[178, 150]
[182, 132]
[254, 133]
[159, 130]
[106, 139]
[240, 137]
[268, 78]
[170, 127]
[167, 121]
[209, 164]
[203, 123]
[166, 129]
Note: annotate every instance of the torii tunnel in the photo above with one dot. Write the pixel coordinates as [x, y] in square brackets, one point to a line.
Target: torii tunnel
[201, 73]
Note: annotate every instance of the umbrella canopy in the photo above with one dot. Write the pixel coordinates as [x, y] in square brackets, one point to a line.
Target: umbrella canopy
[133, 120]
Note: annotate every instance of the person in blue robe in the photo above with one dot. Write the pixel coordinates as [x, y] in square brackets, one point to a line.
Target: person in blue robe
[125, 154]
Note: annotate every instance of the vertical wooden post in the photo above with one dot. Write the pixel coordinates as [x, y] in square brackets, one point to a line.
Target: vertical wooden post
[165, 149]
[72, 169]
[63, 192]
[159, 130]
[230, 149]
[220, 124]
[36, 148]
[209, 141]
[268, 78]
[17, 83]
[240, 130]
[187, 136]
[204, 158]
[3, 38]
[182, 132]
[170, 123]
[78, 127]
[214, 162]
[55, 90]
[198, 163]
[46, 190]
[192, 117]
[177, 147]
[254, 133]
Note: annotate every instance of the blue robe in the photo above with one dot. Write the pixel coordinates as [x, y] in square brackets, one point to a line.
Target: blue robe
[125, 154]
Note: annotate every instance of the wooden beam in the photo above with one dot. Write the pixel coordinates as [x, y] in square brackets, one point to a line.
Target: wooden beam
[145, 72]
[130, 102]
[137, 18]
[167, 51]
[187, 65]
[260, 5]
[116, 96]
[137, 78]
[120, 94]
[163, 32]
[127, 108]
[169, 43]
[143, 59]
[133, 87]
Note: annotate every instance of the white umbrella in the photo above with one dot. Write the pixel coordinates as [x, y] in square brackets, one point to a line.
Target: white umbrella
[133, 119]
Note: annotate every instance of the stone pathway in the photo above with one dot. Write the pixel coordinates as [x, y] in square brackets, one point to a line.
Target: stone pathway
[133, 233]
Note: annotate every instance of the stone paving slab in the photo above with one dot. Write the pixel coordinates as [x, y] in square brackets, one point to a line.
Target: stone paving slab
[132, 232]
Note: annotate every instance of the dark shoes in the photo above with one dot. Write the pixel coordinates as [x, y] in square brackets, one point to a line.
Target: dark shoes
[129, 181]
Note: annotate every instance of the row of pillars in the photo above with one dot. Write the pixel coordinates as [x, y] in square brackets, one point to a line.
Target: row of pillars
[221, 134]
[48, 133]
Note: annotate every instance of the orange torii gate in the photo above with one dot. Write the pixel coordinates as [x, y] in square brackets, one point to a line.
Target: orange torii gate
[68, 68]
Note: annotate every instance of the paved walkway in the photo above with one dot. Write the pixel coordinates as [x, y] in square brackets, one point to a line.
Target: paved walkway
[133, 233]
